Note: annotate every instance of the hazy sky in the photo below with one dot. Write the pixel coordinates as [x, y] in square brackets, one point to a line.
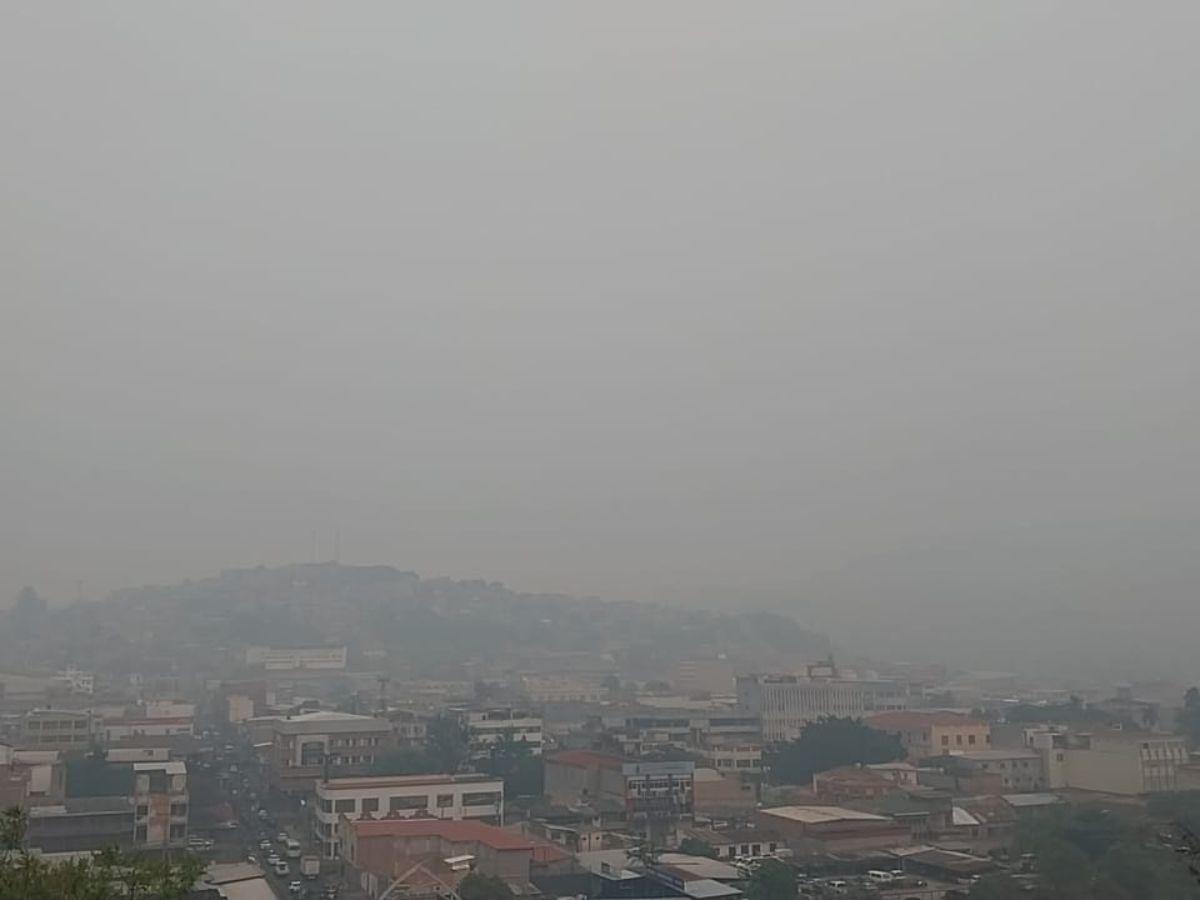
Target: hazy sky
[881, 312]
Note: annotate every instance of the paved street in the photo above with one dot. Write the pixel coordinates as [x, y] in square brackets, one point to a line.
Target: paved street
[234, 777]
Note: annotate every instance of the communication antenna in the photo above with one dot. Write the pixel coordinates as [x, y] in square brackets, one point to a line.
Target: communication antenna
[383, 683]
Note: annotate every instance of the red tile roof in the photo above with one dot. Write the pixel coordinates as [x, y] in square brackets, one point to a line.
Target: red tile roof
[459, 832]
[587, 759]
[915, 718]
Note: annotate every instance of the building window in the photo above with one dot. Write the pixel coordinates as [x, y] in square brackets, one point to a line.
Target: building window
[142, 811]
[343, 806]
[483, 798]
[370, 804]
[958, 739]
[178, 810]
[945, 740]
[970, 739]
[178, 832]
[445, 800]
[139, 834]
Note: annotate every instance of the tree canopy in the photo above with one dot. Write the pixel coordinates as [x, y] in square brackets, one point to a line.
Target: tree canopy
[108, 875]
[696, 847]
[830, 742]
[484, 887]
[1094, 853]
[773, 880]
[1189, 717]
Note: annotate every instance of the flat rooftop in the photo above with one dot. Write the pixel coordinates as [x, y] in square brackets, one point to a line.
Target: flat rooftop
[371, 782]
[816, 815]
[328, 722]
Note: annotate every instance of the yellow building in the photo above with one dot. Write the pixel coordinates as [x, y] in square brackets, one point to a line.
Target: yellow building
[933, 733]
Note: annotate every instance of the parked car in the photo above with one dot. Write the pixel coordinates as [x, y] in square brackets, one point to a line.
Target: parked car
[281, 868]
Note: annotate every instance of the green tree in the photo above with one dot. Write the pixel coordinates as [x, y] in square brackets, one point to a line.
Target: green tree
[696, 847]
[484, 887]
[829, 742]
[407, 761]
[513, 761]
[773, 880]
[107, 876]
[446, 739]
[1189, 716]
[998, 886]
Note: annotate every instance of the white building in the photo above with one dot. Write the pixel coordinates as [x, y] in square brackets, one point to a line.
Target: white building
[739, 759]
[786, 703]
[77, 680]
[486, 727]
[477, 797]
[560, 689]
[1109, 761]
[291, 658]
[116, 730]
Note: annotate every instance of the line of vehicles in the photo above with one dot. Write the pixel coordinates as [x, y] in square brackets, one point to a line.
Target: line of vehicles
[309, 865]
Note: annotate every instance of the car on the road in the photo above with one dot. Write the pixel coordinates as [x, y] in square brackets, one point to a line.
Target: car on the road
[274, 859]
[282, 837]
[295, 887]
[264, 844]
[281, 868]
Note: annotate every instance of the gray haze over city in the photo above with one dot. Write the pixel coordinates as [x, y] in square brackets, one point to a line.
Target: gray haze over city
[881, 315]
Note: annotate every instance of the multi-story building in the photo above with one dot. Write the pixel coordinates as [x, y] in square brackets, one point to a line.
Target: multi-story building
[389, 854]
[150, 812]
[116, 730]
[659, 790]
[488, 727]
[30, 777]
[575, 777]
[542, 689]
[1111, 762]
[455, 797]
[705, 676]
[645, 730]
[926, 733]
[160, 798]
[286, 659]
[58, 729]
[1019, 770]
[786, 703]
[323, 744]
[735, 759]
[648, 793]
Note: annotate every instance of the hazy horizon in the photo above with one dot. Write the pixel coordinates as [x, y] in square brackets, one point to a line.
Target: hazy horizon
[876, 314]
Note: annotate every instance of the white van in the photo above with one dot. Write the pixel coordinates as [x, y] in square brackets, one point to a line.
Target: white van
[880, 877]
[293, 848]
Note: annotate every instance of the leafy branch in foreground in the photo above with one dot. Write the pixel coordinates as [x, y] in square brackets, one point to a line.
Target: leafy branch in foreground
[108, 875]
